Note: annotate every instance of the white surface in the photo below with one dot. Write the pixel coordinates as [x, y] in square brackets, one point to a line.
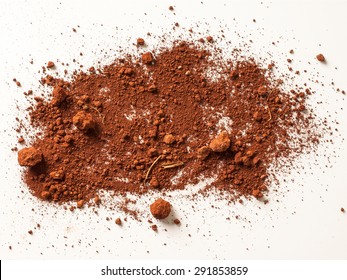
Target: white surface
[306, 222]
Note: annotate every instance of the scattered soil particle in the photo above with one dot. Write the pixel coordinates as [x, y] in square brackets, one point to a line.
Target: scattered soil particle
[177, 221]
[160, 209]
[209, 39]
[140, 41]
[118, 221]
[320, 57]
[50, 64]
[342, 210]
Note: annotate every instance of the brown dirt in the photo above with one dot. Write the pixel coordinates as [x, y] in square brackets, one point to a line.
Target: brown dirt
[133, 125]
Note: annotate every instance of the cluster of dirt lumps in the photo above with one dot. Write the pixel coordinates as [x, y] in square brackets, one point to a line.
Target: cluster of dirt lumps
[160, 122]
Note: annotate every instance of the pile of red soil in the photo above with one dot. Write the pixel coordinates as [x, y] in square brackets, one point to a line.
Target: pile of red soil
[161, 121]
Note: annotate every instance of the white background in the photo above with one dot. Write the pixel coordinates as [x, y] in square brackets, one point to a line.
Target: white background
[302, 221]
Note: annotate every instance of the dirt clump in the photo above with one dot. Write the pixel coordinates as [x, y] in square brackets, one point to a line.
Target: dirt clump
[84, 121]
[50, 64]
[160, 209]
[147, 58]
[29, 157]
[140, 41]
[221, 143]
[320, 57]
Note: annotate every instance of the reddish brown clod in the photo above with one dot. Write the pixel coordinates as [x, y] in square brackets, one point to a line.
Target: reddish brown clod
[221, 143]
[160, 209]
[29, 157]
[147, 58]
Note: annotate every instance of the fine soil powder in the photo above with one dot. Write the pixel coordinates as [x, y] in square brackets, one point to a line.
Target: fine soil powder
[161, 121]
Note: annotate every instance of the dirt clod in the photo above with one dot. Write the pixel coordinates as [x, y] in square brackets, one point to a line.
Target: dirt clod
[221, 143]
[50, 64]
[320, 57]
[160, 209]
[84, 121]
[29, 157]
[147, 58]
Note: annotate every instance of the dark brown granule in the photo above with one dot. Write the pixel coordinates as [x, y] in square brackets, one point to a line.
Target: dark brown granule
[342, 210]
[176, 221]
[21, 140]
[30, 232]
[10, 247]
[154, 228]
[171, 8]
[50, 64]
[320, 57]
[118, 221]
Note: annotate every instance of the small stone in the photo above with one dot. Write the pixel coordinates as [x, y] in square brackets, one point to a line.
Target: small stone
[176, 221]
[160, 209]
[221, 143]
[29, 157]
[154, 228]
[118, 221]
